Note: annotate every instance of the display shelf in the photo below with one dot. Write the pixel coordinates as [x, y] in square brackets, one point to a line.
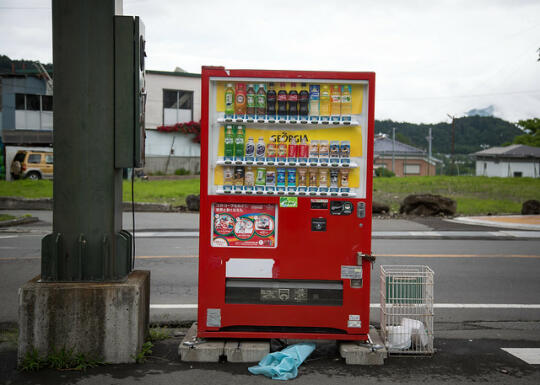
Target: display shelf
[221, 191]
[280, 122]
[285, 163]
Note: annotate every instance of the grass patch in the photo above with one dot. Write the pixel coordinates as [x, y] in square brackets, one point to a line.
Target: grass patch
[6, 217]
[60, 359]
[474, 195]
[162, 191]
[158, 191]
[159, 334]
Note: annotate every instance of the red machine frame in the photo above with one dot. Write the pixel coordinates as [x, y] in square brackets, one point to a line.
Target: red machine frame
[301, 254]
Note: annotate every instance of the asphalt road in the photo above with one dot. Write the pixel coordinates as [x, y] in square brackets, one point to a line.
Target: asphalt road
[466, 272]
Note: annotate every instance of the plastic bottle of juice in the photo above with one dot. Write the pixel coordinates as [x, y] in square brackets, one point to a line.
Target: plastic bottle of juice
[239, 141]
[240, 101]
[261, 100]
[335, 102]
[346, 102]
[324, 103]
[314, 97]
[251, 101]
[229, 141]
[229, 99]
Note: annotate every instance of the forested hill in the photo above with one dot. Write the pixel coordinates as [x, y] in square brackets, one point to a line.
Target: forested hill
[470, 133]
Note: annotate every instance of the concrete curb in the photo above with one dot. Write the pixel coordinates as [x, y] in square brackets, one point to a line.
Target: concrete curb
[19, 221]
[17, 203]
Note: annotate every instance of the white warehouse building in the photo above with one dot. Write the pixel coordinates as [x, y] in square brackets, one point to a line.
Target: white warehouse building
[516, 160]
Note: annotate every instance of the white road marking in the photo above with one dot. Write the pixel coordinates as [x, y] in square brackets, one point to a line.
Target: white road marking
[529, 355]
[166, 234]
[376, 306]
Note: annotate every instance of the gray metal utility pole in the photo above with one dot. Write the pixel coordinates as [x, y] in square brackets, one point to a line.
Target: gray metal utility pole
[429, 138]
[393, 148]
[453, 134]
[87, 242]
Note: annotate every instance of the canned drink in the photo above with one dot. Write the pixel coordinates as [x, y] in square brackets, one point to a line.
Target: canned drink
[238, 176]
[228, 174]
[314, 149]
[303, 148]
[281, 178]
[345, 149]
[323, 177]
[271, 148]
[260, 179]
[344, 177]
[324, 149]
[334, 149]
[291, 177]
[271, 177]
[249, 177]
[282, 149]
[313, 174]
[302, 177]
[334, 177]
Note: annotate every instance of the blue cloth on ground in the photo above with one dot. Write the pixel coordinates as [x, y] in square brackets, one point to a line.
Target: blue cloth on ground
[284, 365]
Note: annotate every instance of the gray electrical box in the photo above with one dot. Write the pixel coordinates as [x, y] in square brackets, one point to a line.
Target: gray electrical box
[129, 92]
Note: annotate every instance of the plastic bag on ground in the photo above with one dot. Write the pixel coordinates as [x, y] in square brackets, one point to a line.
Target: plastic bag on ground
[283, 365]
[417, 331]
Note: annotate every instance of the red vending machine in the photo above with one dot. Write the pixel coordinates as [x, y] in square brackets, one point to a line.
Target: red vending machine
[286, 192]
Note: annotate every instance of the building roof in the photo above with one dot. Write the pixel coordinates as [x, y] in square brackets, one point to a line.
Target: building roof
[174, 73]
[512, 151]
[384, 146]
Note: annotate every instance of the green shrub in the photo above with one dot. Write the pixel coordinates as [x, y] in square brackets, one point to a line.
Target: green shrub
[182, 171]
[384, 172]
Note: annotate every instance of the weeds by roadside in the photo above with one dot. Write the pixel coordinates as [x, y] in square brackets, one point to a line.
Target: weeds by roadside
[60, 359]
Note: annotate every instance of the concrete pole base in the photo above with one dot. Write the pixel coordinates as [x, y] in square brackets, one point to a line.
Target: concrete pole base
[107, 320]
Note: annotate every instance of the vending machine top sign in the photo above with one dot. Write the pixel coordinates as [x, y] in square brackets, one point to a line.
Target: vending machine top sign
[286, 181]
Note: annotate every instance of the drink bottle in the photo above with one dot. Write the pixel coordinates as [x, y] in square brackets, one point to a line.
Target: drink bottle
[335, 102]
[250, 148]
[240, 100]
[324, 103]
[282, 101]
[302, 177]
[292, 101]
[292, 152]
[314, 97]
[282, 148]
[302, 148]
[251, 102]
[260, 151]
[271, 177]
[291, 177]
[228, 175]
[249, 177]
[229, 141]
[260, 179]
[303, 101]
[239, 141]
[271, 149]
[229, 99]
[271, 98]
[346, 103]
[261, 101]
[238, 177]
[345, 149]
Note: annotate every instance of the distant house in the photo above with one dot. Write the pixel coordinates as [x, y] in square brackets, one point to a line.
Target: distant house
[516, 160]
[26, 116]
[408, 160]
[173, 97]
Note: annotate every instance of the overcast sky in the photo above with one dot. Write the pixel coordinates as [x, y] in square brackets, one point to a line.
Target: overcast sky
[431, 57]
